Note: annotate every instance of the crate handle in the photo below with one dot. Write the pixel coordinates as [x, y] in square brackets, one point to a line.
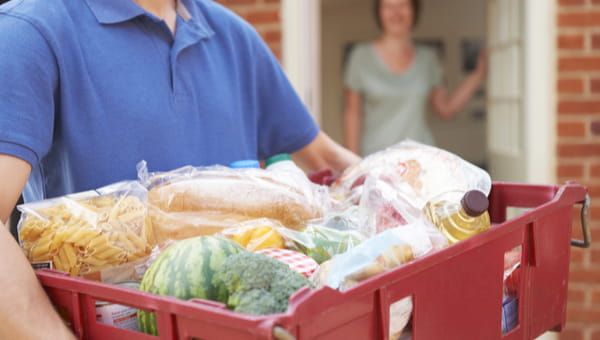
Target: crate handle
[585, 225]
[279, 333]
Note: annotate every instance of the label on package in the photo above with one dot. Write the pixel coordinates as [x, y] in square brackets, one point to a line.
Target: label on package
[42, 265]
[117, 315]
[510, 314]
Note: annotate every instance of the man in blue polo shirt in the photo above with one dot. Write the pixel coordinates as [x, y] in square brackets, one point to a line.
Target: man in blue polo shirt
[91, 87]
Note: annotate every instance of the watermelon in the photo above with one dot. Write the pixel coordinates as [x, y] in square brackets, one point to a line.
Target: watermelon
[185, 270]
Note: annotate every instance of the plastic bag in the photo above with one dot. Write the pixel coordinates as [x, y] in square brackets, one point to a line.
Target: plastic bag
[201, 201]
[418, 172]
[383, 252]
[257, 234]
[89, 231]
[320, 242]
[390, 210]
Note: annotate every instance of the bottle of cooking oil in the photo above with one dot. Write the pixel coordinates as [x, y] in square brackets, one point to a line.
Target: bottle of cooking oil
[459, 217]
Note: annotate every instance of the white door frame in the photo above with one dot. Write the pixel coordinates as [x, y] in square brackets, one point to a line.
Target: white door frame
[301, 49]
[540, 91]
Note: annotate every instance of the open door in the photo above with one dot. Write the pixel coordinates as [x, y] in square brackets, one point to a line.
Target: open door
[506, 122]
[521, 90]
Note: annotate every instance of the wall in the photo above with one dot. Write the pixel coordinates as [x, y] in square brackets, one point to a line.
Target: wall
[348, 21]
[579, 150]
[264, 15]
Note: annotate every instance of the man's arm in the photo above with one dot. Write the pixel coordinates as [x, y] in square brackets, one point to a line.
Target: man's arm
[26, 312]
[14, 173]
[323, 153]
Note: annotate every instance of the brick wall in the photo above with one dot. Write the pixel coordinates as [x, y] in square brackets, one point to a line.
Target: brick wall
[579, 150]
[264, 15]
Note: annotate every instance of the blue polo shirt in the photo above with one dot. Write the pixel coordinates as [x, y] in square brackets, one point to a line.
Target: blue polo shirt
[88, 88]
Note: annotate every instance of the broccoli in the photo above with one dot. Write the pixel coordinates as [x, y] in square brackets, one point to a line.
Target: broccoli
[258, 284]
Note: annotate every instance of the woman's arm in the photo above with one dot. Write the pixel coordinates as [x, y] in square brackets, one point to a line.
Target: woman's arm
[446, 105]
[352, 120]
[324, 153]
[26, 312]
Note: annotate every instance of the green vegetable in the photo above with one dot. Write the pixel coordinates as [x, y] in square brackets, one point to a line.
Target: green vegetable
[258, 284]
[186, 270]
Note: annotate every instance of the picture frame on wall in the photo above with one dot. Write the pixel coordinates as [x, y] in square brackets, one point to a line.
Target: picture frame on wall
[470, 50]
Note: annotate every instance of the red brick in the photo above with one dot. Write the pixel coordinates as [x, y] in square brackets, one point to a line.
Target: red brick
[570, 42]
[272, 37]
[596, 41]
[570, 85]
[595, 85]
[595, 170]
[594, 190]
[579, 150]
[596, 297]
[595, 256]
[571, 333]
[584, 275]
[595, 128]
[576, 295]
[583, 315]
[588, 63]
[570, 170]
[263, 16]
[577, 254]
[595, 213]
[579, 106]
[232, 3]
[596, 335]
[584, 18]
[571, 129]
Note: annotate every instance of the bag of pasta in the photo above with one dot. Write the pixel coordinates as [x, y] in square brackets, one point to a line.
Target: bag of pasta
[87, 232]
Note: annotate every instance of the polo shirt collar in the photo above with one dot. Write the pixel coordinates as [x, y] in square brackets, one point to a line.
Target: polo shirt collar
[116, 11]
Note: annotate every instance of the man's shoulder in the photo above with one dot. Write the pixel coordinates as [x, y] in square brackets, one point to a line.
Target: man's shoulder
[44, 12]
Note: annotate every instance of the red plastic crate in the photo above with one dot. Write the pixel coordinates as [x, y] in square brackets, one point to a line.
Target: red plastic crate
[457, 292]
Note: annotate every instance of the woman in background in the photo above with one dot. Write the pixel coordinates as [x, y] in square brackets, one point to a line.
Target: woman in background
[390, 82]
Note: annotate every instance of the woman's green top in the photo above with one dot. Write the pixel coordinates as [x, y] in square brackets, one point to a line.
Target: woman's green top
[394, 104]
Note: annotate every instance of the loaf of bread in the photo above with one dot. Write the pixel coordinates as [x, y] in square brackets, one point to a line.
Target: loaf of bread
[208, 201]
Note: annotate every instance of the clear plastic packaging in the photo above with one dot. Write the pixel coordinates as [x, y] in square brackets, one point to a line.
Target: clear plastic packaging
[418, 172]
[384, 251]
[88, 232]
[194, 201]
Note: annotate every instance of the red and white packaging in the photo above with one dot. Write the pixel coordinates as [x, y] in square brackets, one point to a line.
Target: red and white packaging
[299, 262]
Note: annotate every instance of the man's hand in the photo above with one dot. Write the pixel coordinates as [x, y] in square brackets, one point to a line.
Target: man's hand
[324, 153]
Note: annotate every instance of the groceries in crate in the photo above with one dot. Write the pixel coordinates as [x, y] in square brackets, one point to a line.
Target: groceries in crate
[210, 220]
[187, 270]
[382, 252]
[321, 242]
[510, 297]
[298, 262]
[257, 234]
[214, 268]
[202, 201]
[418, 172]
[88, 232]
[258, 284]
[459, 215]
